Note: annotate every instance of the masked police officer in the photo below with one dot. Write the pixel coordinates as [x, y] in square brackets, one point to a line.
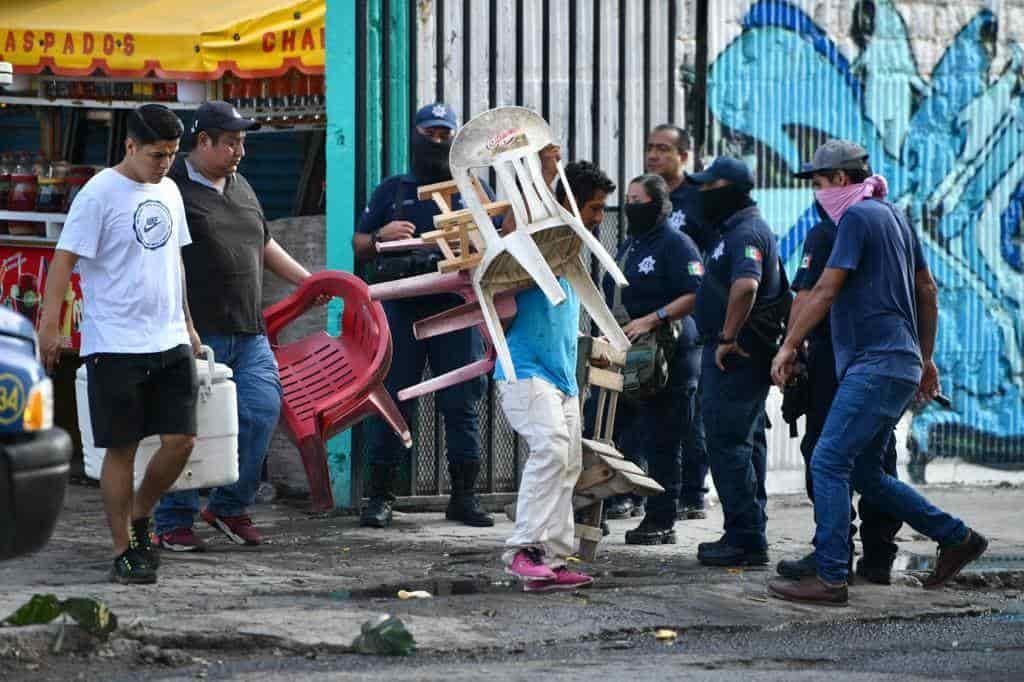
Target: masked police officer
[742, 280]
[394, 213]
[668, 149]
[664, 271]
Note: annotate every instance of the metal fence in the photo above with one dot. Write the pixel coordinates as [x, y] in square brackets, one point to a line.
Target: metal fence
[426, 472]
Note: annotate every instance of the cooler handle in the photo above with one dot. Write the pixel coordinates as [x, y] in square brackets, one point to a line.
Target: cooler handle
[206, 378]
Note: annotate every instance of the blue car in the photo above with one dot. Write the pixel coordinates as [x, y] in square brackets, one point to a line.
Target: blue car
[35, 457]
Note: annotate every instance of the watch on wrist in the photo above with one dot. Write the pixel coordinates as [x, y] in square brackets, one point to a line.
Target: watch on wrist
[662, 314]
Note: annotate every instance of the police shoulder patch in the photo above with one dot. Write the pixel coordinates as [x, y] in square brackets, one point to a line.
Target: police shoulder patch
[695, 268]
[753, 253]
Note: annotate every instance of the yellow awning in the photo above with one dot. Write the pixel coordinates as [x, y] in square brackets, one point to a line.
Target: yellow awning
[173, 39]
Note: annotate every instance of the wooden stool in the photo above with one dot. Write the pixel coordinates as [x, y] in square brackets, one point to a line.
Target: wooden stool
[605, 471]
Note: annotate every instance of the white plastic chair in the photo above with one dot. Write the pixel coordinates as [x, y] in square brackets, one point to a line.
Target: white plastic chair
[548, 239]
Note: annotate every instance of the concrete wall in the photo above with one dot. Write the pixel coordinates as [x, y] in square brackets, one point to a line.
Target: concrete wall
[933, 90]
[303, 238]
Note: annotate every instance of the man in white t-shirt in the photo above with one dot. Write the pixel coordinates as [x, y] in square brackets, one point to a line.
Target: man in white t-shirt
[125, 232]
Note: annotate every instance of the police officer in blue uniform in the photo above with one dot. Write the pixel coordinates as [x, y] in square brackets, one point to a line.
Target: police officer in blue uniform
[394, 213]
[668, 148]
[743, 280]
[664, 271]
[877, 528]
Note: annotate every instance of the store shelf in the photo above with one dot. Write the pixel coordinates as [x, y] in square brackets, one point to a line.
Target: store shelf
[33, 216]
[26, 240]
[89, 103]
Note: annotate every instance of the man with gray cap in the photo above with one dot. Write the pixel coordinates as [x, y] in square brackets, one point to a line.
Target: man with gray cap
[231, 244]
[740, 309]
[884, 314]
[840, 163]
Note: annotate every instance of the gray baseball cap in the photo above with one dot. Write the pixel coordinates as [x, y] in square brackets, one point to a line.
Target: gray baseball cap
[834, 155]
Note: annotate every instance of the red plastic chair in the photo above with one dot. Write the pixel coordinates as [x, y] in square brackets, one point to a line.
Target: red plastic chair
[330, 384]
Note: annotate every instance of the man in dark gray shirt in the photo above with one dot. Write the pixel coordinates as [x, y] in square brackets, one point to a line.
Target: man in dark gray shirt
[224, 268]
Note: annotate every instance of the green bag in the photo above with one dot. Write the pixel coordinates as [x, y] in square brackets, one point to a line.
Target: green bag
[649, 359]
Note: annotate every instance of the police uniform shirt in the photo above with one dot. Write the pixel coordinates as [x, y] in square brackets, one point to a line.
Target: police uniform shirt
[747, 249]
[817, 249]
[661, 265]
[395, 199]
[874, 316]
[687, 217]
[224, 264]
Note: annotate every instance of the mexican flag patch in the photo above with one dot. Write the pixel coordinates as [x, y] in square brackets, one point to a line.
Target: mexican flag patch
[752, 253]
[695, 268]
[806, 262]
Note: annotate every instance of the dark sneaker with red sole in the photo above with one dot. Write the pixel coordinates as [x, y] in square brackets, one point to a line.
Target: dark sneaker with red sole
[238, 529]
[180, 540]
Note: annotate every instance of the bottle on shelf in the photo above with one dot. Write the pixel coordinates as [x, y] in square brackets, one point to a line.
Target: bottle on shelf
[22, 196]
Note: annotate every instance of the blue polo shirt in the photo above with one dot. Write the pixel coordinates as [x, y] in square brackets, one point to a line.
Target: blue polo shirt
[687, 217]
[661, 265]
[747, 249]
[542, 339]
[874, 316]
[817, 250]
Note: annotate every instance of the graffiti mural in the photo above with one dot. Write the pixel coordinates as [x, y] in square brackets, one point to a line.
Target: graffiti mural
[952, 147]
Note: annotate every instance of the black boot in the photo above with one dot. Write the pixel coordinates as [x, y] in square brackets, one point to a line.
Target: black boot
[377, 513]
[464, 505]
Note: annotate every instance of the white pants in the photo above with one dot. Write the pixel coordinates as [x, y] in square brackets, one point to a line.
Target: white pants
[549, 421]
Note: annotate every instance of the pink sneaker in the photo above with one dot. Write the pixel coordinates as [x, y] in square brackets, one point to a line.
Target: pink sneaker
[565, 581]
[238, 529]
[528, 565]
[180, 540]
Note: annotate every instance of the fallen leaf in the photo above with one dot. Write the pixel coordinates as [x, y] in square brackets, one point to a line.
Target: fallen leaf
[40, 609]
[665, 633]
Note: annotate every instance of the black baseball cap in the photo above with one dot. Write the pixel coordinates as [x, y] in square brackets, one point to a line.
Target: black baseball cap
[219, 115]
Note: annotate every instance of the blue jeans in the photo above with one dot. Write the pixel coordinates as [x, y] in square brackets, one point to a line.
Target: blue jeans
[258, 390]
[732, 404]
[408, 359]
[851, 448]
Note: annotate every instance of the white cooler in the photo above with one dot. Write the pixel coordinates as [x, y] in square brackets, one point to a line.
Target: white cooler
[214, 459]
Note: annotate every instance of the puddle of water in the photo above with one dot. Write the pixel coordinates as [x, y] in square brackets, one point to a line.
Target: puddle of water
[1006, 618]
[437, 588]
[906, 561]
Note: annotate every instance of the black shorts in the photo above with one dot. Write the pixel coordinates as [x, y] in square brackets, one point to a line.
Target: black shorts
[134, 395]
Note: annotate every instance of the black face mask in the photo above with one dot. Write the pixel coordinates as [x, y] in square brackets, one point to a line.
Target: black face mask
[430, 159]
[642, 217]
[719, 204]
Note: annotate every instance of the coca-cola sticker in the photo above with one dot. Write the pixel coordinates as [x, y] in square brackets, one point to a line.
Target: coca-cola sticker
[506, 140]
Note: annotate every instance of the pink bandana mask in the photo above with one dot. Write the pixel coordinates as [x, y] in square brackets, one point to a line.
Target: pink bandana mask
[835, 200]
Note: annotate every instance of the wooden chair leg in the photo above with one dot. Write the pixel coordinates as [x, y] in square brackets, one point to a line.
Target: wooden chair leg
[591, 518]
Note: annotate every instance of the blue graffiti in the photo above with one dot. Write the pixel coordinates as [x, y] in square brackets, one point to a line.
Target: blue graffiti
[951, 146]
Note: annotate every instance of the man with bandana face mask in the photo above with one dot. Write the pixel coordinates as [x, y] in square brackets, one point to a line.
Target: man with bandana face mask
[742, 271]
[394, 213]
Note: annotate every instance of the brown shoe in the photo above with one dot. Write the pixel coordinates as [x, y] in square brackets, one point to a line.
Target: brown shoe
[809, 590]
[952, 558]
